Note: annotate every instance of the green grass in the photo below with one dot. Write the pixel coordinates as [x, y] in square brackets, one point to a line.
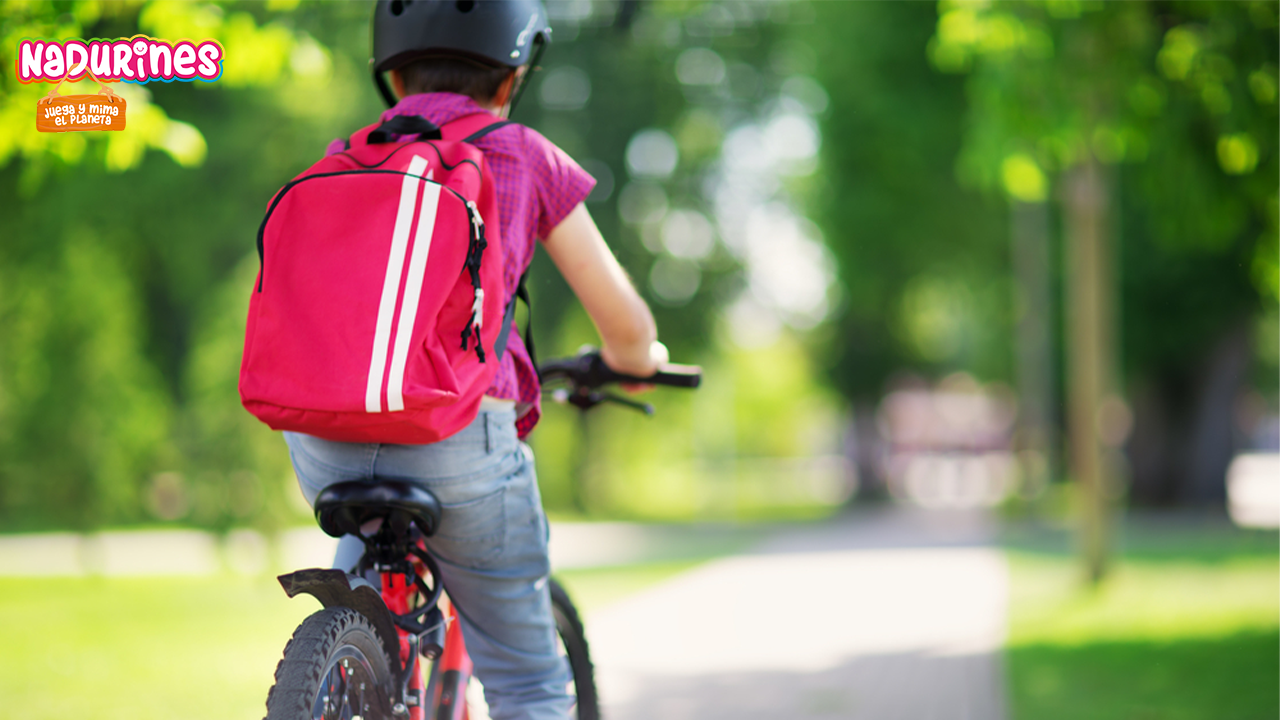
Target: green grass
[139, 649]
[171, 647]
[1187, 626]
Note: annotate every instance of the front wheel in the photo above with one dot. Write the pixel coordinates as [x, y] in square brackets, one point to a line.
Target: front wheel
[334, 668]
[574, 643]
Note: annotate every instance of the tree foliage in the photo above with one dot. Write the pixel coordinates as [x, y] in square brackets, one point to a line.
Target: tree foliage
[1178, 99]
[922, 260]
[128, 256]
[116, 244]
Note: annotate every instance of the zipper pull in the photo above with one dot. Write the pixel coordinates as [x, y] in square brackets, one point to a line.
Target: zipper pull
[477, 223]
[477, 311]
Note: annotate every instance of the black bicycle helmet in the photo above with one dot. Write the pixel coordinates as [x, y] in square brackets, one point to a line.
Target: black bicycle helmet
[501, 33]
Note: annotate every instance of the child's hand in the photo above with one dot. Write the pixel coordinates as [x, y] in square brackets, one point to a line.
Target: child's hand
[639, 365]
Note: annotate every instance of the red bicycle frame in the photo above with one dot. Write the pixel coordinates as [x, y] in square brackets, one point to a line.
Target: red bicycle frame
[452, 670]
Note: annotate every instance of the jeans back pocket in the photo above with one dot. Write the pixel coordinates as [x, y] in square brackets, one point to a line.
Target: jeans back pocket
[472, 533]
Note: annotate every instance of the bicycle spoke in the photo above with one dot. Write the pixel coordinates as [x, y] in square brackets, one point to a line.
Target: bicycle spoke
[342, 692]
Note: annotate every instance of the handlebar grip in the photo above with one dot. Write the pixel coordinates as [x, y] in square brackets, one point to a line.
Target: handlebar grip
[685, 376]
[589, 371]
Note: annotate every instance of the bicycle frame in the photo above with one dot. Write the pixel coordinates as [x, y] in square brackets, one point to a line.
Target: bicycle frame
[452, 669]
[408, 617]
[452, 673]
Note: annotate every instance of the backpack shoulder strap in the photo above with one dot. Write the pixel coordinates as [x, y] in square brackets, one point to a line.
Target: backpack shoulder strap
[508, 319]
[467, 129]
[486, 130]
[470, 128]
[361, 136]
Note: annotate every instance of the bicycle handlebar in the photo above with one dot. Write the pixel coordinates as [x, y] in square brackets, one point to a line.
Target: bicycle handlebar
[587, 372]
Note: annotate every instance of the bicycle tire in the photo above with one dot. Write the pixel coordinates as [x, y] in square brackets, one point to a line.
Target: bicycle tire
[574, 638]
[334, 649]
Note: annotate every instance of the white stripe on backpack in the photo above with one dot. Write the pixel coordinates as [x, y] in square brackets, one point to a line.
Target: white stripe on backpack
[391, 283]
[412, 291]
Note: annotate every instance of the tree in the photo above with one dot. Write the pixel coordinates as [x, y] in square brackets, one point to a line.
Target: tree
[112, 251]
[1163, 114]
[921, 259]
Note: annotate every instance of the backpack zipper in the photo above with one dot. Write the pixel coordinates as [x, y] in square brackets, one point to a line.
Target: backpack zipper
[262, 229]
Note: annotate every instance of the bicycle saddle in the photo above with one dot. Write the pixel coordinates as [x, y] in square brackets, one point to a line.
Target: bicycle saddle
[343, 508]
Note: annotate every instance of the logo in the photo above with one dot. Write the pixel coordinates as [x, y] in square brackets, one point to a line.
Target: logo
[66, 113]
[523, 37]
[139, 59]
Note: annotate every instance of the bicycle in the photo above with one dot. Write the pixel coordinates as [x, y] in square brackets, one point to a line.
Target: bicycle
[359, 657]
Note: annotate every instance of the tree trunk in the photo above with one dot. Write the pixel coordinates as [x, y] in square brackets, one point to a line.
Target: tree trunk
[1036, 439]
[863, 449]
[1090, 360]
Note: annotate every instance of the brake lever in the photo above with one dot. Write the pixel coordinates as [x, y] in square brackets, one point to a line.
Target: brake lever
[643, 407]
[585, 400]
[626, 402]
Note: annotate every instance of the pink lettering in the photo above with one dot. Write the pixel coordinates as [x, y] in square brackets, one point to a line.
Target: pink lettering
[100, 59]
[140, 59]
[121, 54]
[31, 66]
[77, 58]
[183, 57]
[210, 54]
[161, 51]
[54, 66]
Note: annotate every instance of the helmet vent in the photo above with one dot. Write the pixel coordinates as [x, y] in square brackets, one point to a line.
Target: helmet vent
[466, 6]
[397, 6]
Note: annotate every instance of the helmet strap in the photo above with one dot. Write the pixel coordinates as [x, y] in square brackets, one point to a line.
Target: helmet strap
[524, 82]
[380, 79]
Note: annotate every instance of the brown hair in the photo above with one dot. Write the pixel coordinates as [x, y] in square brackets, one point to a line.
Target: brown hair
[453, 74]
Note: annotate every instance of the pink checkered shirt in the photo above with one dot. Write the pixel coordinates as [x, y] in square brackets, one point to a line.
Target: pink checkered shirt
[537, 186]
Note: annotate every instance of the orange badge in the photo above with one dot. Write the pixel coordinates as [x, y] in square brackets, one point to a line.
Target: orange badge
[65, 113]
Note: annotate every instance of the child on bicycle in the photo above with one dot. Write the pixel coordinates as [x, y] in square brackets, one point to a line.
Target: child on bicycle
[447, 60]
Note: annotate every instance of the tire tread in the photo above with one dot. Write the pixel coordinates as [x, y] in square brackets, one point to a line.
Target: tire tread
[300, 670]
[569, 626]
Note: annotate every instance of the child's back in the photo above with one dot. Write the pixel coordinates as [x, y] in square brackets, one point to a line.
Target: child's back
[451, 60]
[537, 186]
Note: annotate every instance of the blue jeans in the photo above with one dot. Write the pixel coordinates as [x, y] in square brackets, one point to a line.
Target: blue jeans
[491, 547]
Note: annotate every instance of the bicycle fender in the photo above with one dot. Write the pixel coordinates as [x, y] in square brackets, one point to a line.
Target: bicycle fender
[336, 588]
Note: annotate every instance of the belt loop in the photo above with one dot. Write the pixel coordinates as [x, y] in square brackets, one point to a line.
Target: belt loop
[488, 433]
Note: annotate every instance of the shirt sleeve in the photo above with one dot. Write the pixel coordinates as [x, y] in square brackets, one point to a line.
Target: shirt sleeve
[562, 183]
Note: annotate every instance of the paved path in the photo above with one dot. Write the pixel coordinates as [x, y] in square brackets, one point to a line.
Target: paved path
[877, 615]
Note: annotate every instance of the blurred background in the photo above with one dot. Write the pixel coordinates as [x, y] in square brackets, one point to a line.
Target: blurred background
[1010, 266]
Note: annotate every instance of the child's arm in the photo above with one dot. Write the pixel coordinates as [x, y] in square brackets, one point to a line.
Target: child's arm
[627, 332]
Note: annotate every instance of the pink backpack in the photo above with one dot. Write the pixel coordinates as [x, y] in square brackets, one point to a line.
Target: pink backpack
[378, 312]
